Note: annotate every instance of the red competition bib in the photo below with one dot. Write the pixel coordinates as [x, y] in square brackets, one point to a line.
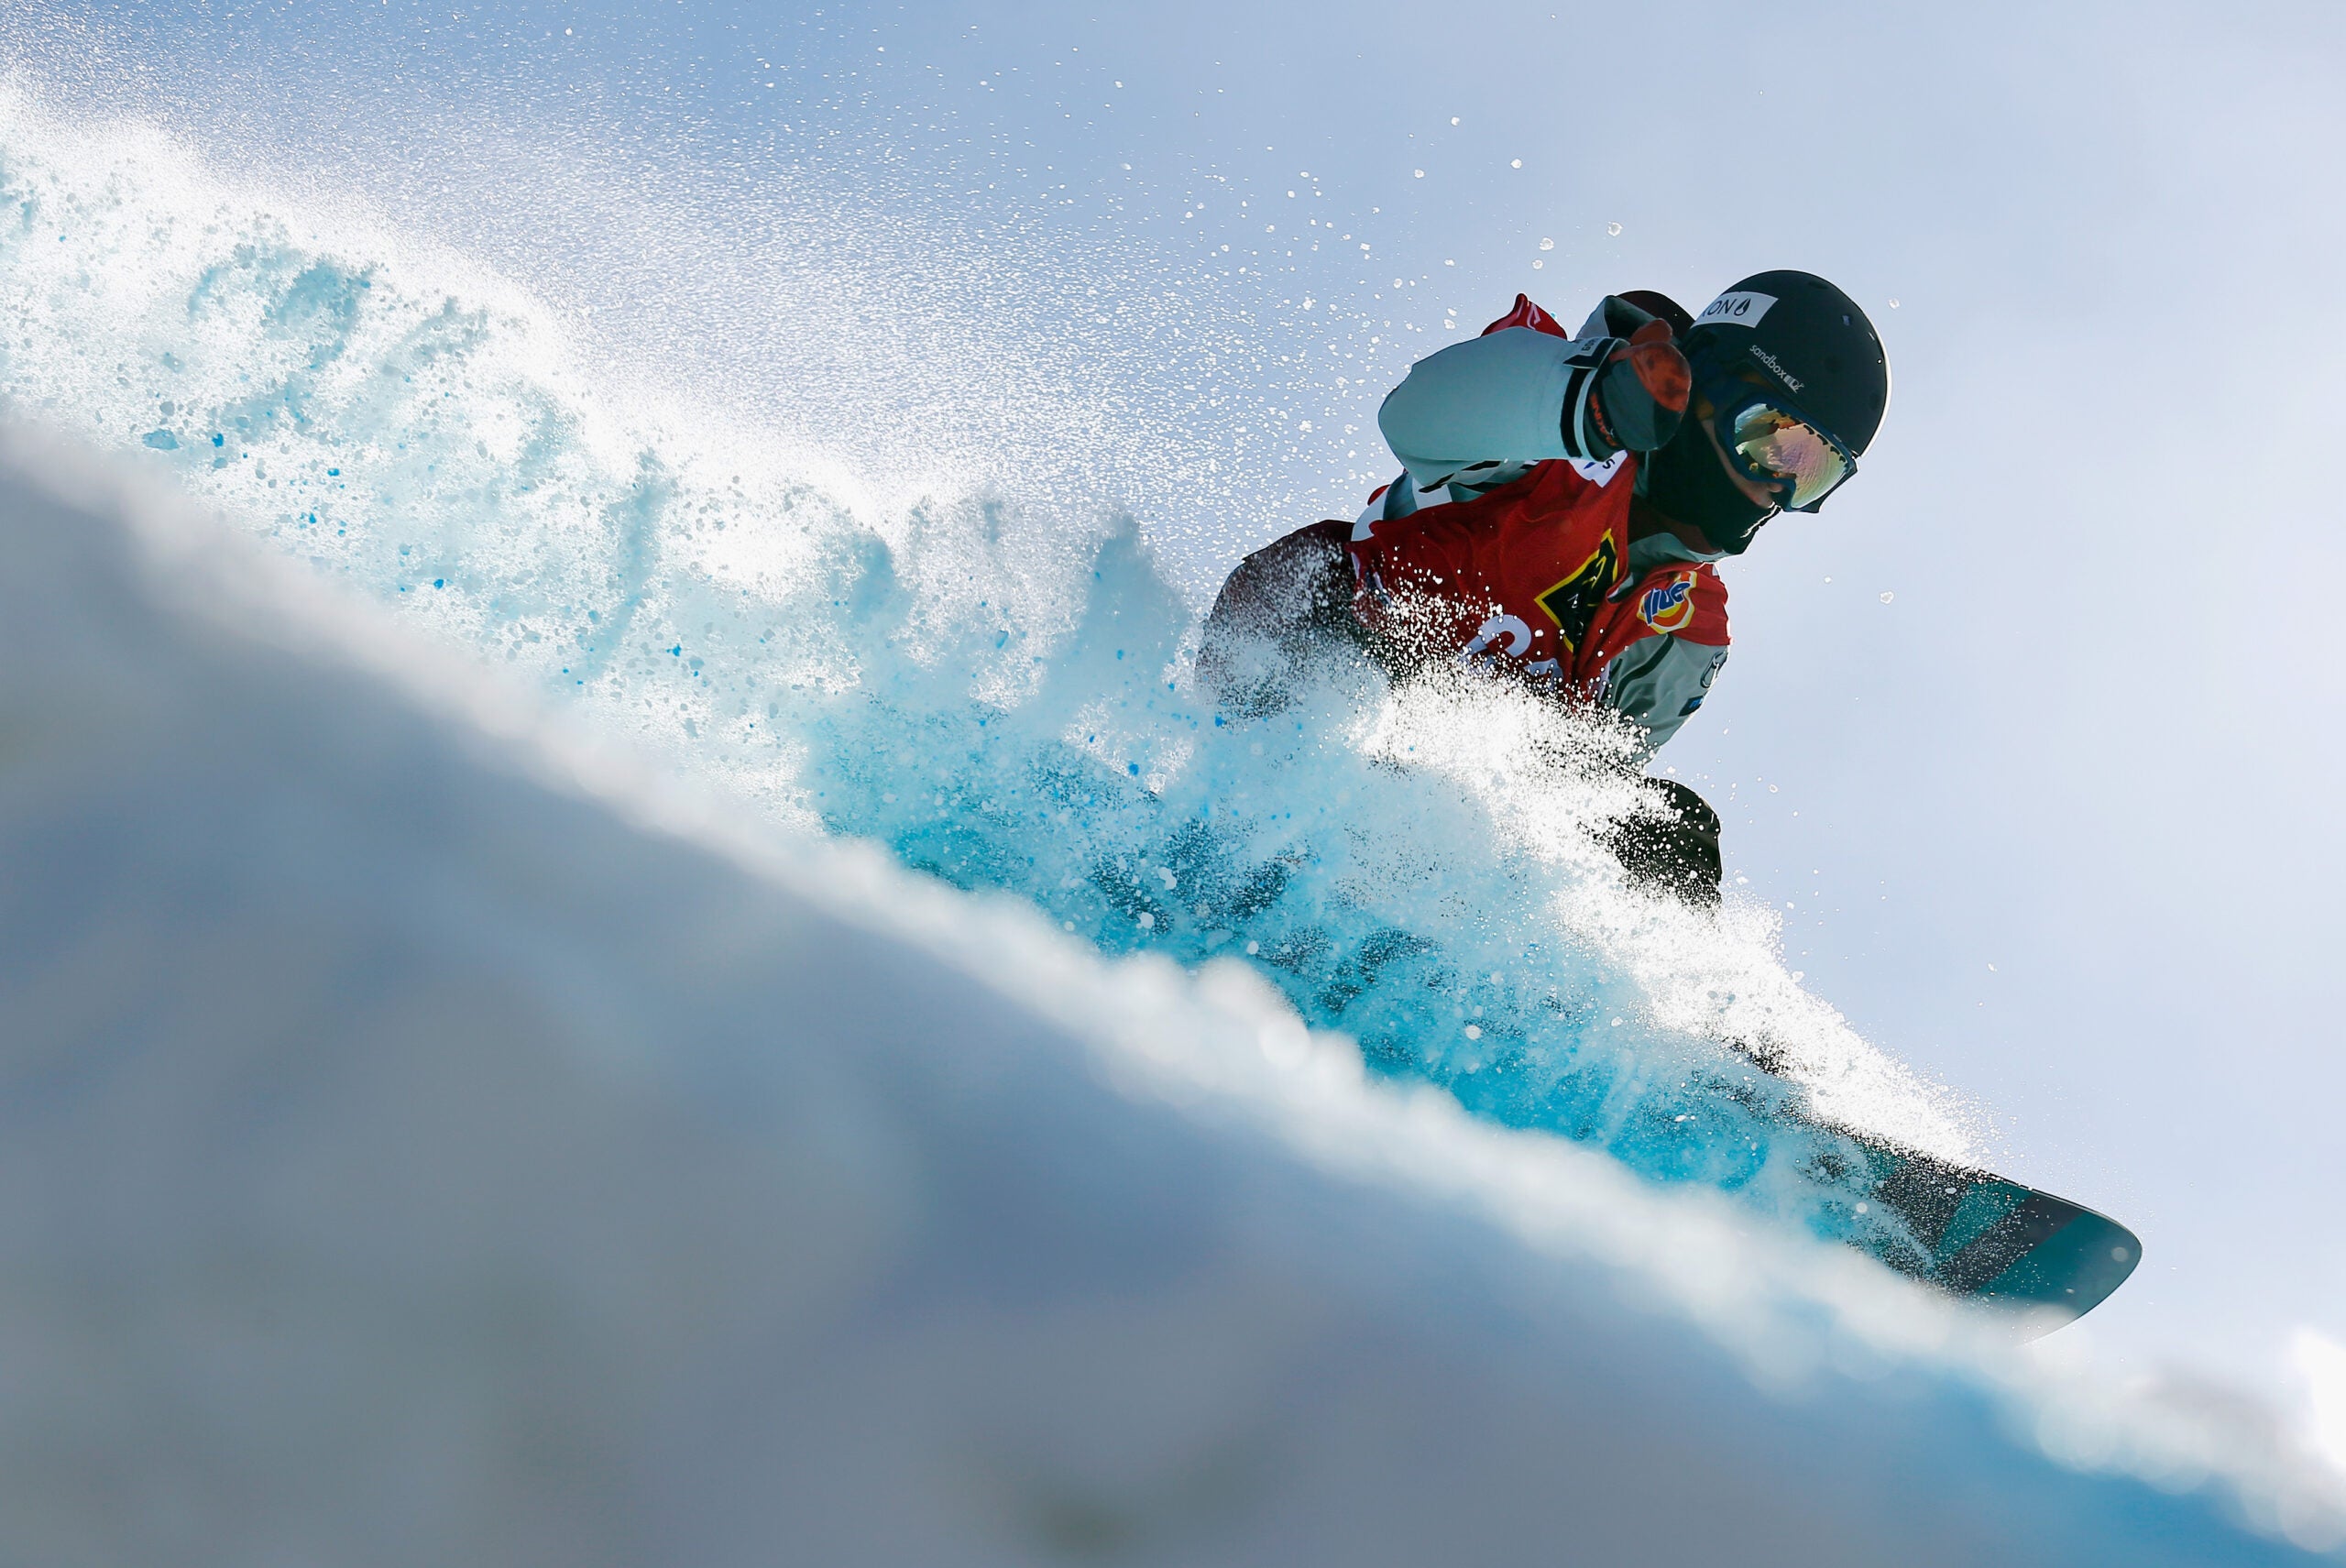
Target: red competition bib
[1532, 573]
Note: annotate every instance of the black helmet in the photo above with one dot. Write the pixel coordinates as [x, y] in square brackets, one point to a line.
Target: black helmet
[1806, 336]
[1661, 307]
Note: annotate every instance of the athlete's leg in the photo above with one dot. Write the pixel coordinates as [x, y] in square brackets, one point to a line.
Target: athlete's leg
[1282, 604]
[1674, 847]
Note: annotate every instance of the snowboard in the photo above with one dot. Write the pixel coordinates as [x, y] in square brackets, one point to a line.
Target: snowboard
[1974, 1235]
[1998, 1243]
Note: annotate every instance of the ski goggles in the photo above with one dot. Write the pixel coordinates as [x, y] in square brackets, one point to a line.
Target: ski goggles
[1770, 442]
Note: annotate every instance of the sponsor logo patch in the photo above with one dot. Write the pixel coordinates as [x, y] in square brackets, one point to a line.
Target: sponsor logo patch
[1668, 606]
[1739, 307]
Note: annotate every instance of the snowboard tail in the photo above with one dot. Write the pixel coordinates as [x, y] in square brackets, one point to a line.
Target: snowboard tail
[1970, 1232]
[1997, 1242]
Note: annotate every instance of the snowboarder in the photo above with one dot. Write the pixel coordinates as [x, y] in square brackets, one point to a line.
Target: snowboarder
[1561, 505]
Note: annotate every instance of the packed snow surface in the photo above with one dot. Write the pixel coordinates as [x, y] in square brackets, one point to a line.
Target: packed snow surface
[433, 1139]
[985, 1105]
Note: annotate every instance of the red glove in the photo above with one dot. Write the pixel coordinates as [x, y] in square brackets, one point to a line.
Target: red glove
[1641, 393]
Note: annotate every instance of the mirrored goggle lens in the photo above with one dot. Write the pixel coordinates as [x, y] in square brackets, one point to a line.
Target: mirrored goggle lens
[1773, 442]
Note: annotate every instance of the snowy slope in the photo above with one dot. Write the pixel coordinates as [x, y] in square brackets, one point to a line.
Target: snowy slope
[433, 1139]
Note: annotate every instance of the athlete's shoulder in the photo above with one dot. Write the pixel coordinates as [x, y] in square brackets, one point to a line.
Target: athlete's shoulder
[1527, 314]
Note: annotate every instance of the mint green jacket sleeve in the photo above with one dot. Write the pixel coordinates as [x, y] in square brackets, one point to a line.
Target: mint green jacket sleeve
[1516, 396]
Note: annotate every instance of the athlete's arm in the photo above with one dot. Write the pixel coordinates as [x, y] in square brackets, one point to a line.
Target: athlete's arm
[1498, 399]
[1523, 396]
[1657, 683]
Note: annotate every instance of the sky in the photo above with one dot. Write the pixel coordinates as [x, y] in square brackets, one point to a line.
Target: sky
[2030, 732]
